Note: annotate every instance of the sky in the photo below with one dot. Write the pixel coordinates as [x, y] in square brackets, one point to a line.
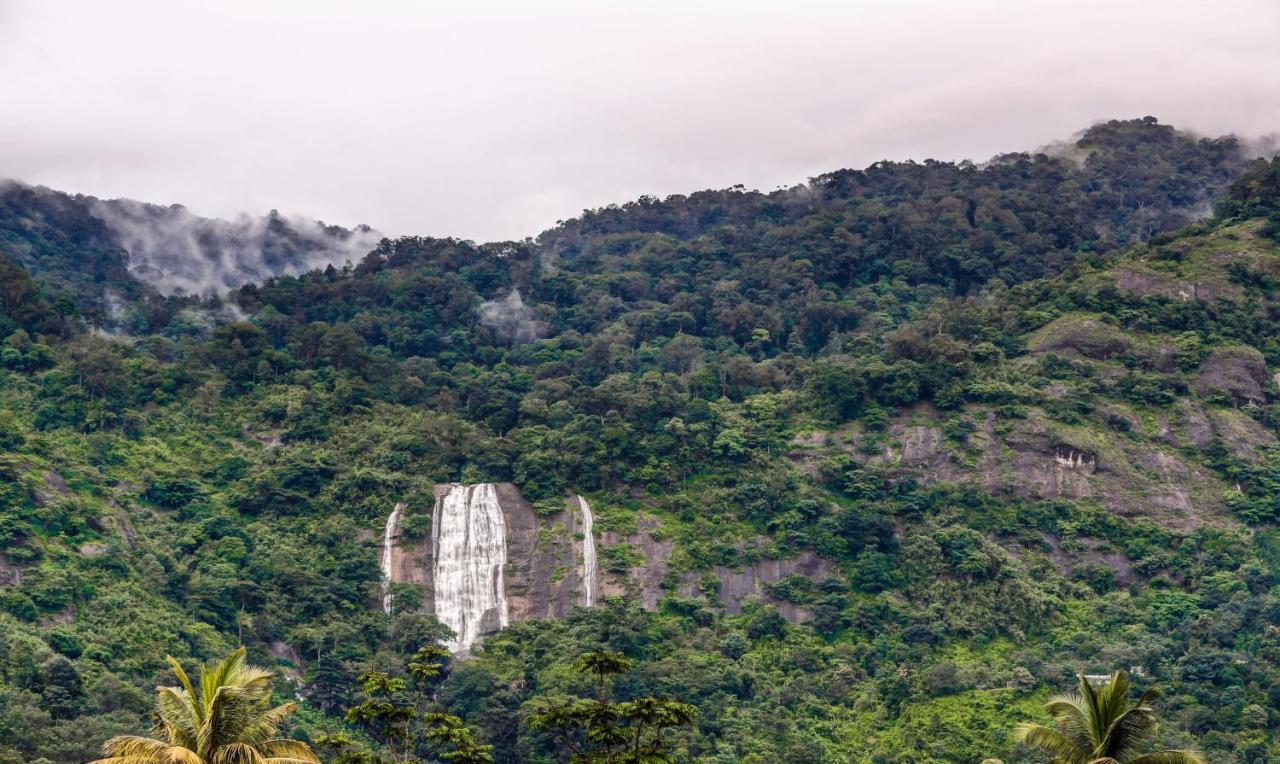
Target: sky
[492, 120]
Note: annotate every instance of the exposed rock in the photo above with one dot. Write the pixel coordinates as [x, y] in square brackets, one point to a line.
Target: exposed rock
[10, 575]
[123, 526]
[1148, 283]
[1087, 337]
[738, 585]
[1166, 464]
[1243, 436]
[1089, 552]
[920, 443]
[268, 439]
[64, 617]
[541, 575]
[285, 653]
[1196, 429]
[93, 550]
[645, 581]
[542, 558]
[57, 483]
[1239, 370]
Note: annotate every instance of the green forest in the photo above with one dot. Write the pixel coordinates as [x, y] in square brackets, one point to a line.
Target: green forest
[1023, 415]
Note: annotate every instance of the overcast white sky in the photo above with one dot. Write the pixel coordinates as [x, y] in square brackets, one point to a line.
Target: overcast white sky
[493, 120]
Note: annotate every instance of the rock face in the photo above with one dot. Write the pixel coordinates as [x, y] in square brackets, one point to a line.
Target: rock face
[1087, 337]
[1238, 371]
[543, 557]
[491, 560]
[738, 585]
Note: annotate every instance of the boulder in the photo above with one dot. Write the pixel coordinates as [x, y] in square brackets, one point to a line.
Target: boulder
[1238, 370]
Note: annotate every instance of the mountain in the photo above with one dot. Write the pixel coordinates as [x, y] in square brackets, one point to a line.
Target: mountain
[103, 255]
[874, 465]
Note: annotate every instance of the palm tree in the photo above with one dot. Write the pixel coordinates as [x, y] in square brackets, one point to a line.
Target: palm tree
[1099, 726]
[227, 722]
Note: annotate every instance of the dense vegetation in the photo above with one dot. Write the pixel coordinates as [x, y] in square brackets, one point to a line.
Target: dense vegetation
[884, 368]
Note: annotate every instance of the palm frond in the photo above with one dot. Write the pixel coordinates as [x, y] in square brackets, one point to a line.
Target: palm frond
[264, 728]
[1052, 742]
[1092, 712]
[1170, 757]
[238, 753]
[1113, 700]
[1127, 732]
[135, 745]
[229, 714]
[1069, 717]
[219, 674]
[178, 715]
[185, 680]
[288, 749]
[181, 755]
[255, 681]
[179, 737]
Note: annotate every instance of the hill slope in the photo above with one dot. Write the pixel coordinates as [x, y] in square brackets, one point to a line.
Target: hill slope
[1070, 467]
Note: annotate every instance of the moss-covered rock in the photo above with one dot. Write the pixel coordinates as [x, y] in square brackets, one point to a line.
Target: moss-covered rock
[1236, 370]
[1086, 336]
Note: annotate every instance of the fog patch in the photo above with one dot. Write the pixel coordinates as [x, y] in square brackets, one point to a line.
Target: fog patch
[178, 252]
[511, 319]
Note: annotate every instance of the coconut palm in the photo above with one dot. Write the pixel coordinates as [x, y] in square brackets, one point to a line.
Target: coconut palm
[227, 721]
[1100, 726]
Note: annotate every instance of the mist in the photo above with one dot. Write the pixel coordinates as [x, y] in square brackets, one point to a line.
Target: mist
[178, 252]
[510, 319]
[493, 120]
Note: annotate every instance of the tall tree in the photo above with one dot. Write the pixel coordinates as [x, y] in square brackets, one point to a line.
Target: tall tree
[1100, 726]
[226, 721]
[599, 731]
[395, 714]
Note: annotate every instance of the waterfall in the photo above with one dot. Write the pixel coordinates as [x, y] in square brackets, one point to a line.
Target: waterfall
[588, 554]
[388, 547]
[470, 550]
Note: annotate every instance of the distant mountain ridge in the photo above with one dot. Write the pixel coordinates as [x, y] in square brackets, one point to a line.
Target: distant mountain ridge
[99, 252]
[1116, 182]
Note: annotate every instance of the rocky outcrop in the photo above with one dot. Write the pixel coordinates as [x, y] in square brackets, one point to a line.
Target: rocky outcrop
[545, 563]
[1087, 337]
[543, 557]
[1148, 283]
[541, 578]
[1238, 371]
[646, 582]
[740, 584]
[10, 575]
[411, 559]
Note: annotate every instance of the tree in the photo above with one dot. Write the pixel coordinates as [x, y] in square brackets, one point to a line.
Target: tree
[227, 721]
[598, 731]
[394, 713]
[1100, 726]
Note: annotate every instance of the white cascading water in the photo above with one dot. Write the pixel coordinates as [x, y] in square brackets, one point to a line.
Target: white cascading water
[588, 554]
[469, 538]
[388, 547]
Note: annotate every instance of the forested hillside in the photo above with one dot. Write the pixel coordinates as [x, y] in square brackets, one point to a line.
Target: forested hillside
[1022, 416]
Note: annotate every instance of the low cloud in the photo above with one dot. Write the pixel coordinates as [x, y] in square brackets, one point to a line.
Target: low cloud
[491, 120]
[178, 252]
[512, 320]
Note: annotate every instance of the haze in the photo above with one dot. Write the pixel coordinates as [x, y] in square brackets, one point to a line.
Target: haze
[492, 120]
